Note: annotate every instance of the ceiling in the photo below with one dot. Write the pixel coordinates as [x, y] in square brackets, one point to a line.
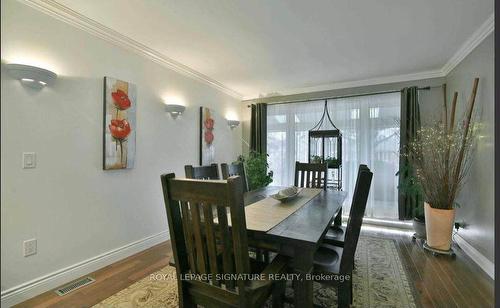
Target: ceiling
[284, 46]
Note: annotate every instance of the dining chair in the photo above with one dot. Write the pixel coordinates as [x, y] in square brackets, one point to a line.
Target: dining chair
[234, 169]
[210, 253]
[311, 175]
[336, 233]
[314, 175]
[210, 172]
[338, 262]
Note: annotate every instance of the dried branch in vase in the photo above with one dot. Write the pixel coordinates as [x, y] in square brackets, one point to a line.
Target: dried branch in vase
[442, 155]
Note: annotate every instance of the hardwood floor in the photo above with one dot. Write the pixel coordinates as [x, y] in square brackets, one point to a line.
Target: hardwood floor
[437, 281]
[109, 280]
[440, 281]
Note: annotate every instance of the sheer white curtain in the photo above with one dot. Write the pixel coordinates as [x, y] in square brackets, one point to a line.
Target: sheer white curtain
[369, 126]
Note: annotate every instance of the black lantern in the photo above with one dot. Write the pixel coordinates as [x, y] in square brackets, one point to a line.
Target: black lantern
[325, 146]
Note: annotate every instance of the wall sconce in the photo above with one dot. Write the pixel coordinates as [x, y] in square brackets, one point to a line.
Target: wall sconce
[175, 110]
[233, 123]
[31, 76]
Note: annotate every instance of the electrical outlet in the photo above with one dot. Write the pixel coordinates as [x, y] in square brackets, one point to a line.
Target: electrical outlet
[29, 247]
[29, 160]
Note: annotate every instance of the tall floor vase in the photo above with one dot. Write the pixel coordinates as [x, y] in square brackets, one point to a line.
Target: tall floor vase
[439, 227]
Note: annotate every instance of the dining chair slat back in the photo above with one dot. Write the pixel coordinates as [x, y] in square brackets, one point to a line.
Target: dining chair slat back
[311, 175]
[210, 172]
[357, 212]
[235, 169]
[203, 241]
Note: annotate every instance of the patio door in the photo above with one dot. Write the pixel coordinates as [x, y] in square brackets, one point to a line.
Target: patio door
[370, 128]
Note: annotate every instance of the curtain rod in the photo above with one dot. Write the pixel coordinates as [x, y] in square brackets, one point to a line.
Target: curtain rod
[346, 96]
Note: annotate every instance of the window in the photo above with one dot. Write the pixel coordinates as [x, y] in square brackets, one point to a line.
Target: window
[374, 112]
[370, 128]
[354, 114]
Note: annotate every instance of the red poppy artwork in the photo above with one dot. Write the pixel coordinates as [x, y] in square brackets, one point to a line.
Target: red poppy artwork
[120, 129]
[207, 136]
[119, 124]
[120, 99]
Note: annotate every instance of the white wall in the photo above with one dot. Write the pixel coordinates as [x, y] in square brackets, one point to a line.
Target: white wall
[477, 198]
[72, 207]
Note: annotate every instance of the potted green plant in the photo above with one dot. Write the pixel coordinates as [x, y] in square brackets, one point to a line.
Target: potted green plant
[411, 188]
[441, 155]
[315, 159]
[256, 167]
[419, 222]
[332, 162]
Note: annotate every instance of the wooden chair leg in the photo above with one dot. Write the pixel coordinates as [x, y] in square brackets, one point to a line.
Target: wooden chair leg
[279, 294]
[344, 297]
[266, 257]
[258, 255]
[338, 219]
[351, 294]
[184, 299]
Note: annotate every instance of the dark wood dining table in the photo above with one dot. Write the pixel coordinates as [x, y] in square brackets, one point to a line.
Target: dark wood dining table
[299, 235]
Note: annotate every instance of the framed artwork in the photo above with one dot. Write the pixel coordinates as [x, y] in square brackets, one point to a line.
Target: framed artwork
[119, 124]
[207, 136]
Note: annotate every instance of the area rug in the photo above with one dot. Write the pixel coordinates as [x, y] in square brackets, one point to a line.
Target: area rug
[379, 280]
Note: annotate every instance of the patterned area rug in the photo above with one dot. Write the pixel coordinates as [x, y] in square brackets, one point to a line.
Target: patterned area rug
[379, 280]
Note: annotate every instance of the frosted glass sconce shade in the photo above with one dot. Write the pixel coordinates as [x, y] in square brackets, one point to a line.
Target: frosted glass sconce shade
[233, 123]
[175, 110]
[31, 76]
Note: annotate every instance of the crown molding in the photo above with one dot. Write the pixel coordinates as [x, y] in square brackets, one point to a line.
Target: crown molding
[468, 46]
[354, 84]
[465, 49]
[65, 14]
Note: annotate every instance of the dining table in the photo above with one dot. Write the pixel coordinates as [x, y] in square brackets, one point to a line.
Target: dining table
[298, 235]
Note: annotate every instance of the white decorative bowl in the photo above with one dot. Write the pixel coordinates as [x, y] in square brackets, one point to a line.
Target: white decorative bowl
[287, 194]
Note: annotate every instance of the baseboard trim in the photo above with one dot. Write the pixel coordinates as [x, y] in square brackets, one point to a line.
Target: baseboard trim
[486, 265]
[50, 281]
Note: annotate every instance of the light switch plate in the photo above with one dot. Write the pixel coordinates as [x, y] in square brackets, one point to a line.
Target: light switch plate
[29, 247]
[29, 160]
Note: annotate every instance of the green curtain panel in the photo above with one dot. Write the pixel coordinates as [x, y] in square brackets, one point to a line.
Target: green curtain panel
[410, 200]
[258, 128]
